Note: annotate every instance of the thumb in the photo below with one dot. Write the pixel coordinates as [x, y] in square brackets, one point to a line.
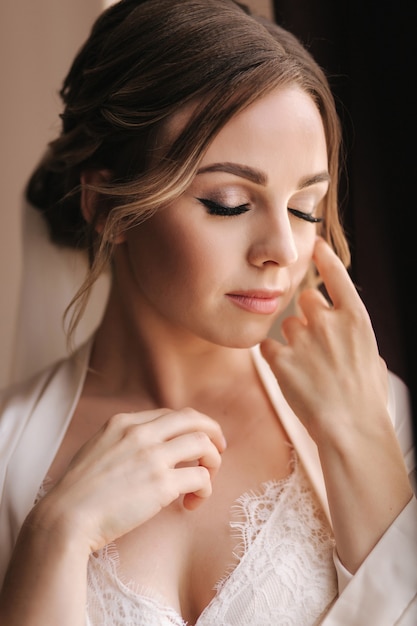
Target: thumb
[270, 349]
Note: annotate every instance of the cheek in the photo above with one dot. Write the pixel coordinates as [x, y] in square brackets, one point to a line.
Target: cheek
[165, 259]
[305, 247]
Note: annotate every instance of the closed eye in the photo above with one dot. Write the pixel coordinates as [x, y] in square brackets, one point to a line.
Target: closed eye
[305, 216]
[214, 208]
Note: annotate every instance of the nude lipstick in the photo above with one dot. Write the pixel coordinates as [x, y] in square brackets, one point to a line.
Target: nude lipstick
[259, 301]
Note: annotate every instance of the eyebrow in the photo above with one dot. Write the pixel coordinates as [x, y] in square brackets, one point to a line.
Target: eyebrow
[250, 173]
[258, 177]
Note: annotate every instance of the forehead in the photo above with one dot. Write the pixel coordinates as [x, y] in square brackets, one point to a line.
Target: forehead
[286, 110]
[282, 126]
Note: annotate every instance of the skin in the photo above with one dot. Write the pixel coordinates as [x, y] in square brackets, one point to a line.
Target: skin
[265, 248]
[175, 321]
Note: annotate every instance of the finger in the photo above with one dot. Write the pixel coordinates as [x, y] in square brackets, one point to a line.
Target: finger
[192, 501]
[291, 327]
[312, 304]
[151, 427]
[312, 298]
[280, 359]
[336, 279]
[271, 349]
[195, 483]
[193, 447]
[188, 420]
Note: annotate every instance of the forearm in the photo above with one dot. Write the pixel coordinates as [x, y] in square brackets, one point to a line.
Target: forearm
[45, 584]
[367, 488]
[334, 379]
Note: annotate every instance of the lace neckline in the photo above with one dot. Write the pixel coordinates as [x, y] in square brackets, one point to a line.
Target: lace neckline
[253, 514]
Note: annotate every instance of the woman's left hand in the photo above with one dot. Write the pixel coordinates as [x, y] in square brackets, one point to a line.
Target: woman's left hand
[334, 379]
[329, 370]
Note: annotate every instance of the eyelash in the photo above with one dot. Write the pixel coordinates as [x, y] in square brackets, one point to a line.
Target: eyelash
[305, 216]
[214, 208]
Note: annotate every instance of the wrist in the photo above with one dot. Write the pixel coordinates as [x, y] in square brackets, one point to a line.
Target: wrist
[46, 580]
[52, 523]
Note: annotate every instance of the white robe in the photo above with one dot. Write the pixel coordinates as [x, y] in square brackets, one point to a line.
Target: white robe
[34, 416]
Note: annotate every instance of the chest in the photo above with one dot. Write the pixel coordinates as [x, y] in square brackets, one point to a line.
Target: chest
[185, 553]
[198, 546]
[278, 547]
[182, 555]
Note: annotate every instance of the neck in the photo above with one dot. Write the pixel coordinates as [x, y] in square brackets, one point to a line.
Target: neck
[137, 353]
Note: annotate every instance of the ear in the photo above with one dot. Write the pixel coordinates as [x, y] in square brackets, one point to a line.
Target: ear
[90, 199]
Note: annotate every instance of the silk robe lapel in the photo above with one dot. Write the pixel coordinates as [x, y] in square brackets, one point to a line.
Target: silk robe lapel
[297, 433]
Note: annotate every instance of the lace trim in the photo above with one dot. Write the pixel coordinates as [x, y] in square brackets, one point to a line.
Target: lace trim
[251, 512]
[108, 559]
[283, 570]
[253, 509]
[113, 601]
[286, 573]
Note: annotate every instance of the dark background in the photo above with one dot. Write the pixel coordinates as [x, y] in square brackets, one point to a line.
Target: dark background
[368, 52]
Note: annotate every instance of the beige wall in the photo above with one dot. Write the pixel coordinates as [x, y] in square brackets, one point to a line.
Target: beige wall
[37, 43]
[261, 7]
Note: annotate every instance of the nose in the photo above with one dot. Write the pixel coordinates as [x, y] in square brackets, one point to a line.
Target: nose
[272, 241]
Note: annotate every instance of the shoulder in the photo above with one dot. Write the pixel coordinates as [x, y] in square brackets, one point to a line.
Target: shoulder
[18, 402]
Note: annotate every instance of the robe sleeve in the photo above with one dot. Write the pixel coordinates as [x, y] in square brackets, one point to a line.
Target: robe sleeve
[384, 589]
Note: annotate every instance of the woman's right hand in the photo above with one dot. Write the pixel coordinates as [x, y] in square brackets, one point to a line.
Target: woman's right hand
[137, 464]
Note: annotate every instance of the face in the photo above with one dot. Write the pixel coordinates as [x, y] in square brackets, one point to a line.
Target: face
[225, 259]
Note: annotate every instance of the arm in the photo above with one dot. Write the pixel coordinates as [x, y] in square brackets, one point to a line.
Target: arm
[384, 587]
[333, 378]
[47, 577]
[46, 580]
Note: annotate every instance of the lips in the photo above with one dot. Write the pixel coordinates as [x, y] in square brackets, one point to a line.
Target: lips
[264, 302]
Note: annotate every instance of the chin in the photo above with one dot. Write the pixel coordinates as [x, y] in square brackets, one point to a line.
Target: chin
[245, 339]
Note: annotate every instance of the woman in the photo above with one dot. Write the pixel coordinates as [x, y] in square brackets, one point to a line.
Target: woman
[175, 480]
